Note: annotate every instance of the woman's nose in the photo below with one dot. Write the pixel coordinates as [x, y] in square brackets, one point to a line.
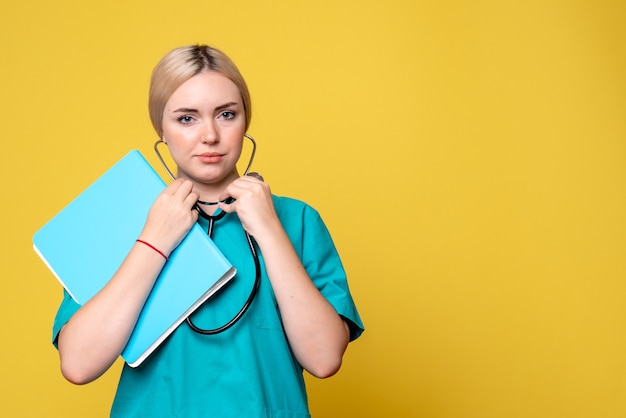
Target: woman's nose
[210, 134]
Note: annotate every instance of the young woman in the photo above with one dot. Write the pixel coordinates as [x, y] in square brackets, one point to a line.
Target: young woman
[302, 316]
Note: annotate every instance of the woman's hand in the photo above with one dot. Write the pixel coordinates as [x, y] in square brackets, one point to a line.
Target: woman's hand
[171, 216]
[98, 332]
[253, 204]
[316, 334]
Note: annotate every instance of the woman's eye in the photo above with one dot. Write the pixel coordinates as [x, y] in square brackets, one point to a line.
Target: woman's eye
[185, 119]
[228, 114]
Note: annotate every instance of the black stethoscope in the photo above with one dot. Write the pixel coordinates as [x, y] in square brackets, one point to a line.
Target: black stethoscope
[251, 242]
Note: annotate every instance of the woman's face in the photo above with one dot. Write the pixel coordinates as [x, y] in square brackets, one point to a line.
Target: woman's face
[203, 126]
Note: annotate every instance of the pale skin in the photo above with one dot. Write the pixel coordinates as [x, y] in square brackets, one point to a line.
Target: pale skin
[203, 126]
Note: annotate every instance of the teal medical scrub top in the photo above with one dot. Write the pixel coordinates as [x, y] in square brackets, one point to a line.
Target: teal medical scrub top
[249, 370]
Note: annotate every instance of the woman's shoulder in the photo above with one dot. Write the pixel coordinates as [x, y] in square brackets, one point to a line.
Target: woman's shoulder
[289, 207]
[290, 203]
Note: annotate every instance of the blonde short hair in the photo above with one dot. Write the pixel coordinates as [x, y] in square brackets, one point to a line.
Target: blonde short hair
[178, 66]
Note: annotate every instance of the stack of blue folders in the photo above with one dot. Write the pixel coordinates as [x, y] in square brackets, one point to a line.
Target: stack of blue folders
[85, 243]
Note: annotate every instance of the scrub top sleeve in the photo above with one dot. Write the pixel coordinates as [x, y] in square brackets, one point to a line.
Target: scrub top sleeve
[321, 260]
[66, 310]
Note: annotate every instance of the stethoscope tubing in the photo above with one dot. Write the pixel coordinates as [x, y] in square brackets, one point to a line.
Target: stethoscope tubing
[253, 292]
[251, 243]
[173, 177]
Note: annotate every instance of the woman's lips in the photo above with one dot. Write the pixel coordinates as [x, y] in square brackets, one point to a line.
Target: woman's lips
[210, 157]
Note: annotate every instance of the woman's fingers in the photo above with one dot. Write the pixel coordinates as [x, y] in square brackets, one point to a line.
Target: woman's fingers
[171, 215]
[253, 202]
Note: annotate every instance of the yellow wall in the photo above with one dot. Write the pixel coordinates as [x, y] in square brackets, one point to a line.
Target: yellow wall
[468, 156]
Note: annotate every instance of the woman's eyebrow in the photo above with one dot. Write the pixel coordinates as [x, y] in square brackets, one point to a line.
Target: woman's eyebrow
[186, 110]
[192, 110]
[225, 105]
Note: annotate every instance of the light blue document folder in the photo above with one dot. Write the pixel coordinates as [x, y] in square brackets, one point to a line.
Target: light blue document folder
[85, 243]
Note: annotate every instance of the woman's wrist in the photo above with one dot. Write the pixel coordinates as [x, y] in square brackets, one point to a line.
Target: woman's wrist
[155, 249]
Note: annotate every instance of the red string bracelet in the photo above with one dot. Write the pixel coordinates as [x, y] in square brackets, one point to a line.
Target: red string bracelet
[154, 248]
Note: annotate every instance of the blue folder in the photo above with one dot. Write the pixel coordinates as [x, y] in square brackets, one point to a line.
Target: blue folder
[85, 243]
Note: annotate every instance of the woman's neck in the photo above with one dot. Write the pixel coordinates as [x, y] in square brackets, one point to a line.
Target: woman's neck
[210, 193]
